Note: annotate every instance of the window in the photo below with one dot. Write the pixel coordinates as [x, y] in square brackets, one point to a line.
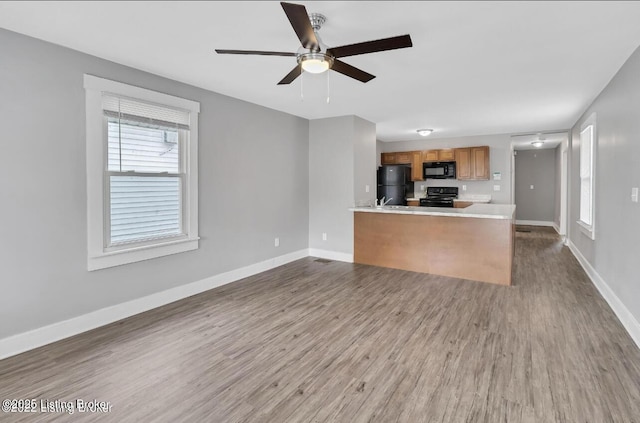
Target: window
[142, 173]
[587, 175]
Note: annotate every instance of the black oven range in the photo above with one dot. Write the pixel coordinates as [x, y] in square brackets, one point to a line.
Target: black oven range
[439, 197]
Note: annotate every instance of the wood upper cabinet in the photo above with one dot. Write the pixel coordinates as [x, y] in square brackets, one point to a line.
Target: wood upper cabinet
[430, 156]
[472, 163]
[463, 163]
[405, 157]
[480, 160]
[444, 155]
[447, 155]
[412, 158]
[388, 158]
[416, 166]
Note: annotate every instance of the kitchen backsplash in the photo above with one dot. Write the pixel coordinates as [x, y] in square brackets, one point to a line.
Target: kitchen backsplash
[473, 187]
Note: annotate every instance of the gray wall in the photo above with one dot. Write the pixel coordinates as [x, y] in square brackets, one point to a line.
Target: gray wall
[379, 150]
[341, 163]
[557, 194]
[364, 161]
[537, 168]
[614, 253]
[253, 174]
[500, 151]
[331, 182]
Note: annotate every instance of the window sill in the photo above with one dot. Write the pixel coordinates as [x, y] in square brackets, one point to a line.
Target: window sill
[140, 253]
[586, 229]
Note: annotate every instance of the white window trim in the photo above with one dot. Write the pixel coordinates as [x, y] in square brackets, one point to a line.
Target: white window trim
[98, 257]
[589, 230]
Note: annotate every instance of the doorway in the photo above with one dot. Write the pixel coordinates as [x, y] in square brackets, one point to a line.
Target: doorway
[539, 172]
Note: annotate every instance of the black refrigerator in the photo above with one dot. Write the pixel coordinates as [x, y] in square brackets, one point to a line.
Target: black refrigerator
[394, 182]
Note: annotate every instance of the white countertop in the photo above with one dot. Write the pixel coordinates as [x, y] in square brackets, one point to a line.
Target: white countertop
[473, 198]
[477, 210]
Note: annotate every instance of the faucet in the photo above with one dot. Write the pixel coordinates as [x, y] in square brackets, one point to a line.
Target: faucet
[384, 203]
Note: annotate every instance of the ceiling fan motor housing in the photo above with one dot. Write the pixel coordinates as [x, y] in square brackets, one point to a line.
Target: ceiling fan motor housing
[317, 20]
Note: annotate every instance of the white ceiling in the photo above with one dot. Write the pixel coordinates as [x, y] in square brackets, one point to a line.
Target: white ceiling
[475, 68]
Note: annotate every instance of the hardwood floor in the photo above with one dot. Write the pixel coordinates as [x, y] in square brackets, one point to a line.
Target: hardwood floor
[317, 341]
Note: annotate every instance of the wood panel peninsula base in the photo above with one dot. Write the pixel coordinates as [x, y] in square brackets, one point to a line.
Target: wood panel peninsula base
[475, 243]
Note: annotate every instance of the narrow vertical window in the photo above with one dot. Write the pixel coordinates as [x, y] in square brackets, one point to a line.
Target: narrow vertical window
[587, 171]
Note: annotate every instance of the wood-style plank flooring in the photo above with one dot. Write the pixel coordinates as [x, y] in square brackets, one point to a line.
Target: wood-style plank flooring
[318, 341]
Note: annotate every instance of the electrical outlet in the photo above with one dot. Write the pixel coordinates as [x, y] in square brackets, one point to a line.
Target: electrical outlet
[496, 187]
[421, 187]
[634, 195]
[366, 188]
[277, 242]
[324, 236]
[464, 187]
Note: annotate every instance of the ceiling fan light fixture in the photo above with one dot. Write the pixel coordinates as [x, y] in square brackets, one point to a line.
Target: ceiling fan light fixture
[424, 132]
[315, 62]
[537, 144]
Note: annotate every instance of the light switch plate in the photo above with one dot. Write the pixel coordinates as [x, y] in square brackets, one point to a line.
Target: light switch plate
[634, 194]
[530, 186]
[464, 187]
[496, 187]
[366, 188]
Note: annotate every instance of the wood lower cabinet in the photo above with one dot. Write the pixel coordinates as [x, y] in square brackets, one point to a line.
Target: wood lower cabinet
[413, 203]
[461, 204]
[472, 163]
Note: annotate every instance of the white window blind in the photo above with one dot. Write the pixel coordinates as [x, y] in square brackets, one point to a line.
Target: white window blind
[144, 170]
[586, 175]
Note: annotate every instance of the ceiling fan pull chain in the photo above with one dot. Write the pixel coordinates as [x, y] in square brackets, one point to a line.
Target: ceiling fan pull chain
[302, 86]
[328, 90]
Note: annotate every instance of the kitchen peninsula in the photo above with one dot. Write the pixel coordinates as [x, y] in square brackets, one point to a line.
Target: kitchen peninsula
[476, 242]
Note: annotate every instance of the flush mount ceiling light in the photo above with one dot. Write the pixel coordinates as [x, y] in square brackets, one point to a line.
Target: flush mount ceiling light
[537, 144]
[424, 132]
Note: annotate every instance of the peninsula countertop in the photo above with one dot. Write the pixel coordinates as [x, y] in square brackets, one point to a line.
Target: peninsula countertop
[477, 210]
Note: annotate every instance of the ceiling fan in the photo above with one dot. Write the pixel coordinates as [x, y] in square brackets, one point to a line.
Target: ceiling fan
[314, 56]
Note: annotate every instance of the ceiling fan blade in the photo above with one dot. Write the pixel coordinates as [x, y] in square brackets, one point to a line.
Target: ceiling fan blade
[351, 71]
[257, 52]
[301, 24]
[295, 72]
[391, 43]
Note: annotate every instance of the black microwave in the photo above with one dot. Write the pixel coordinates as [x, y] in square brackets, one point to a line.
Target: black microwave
[440, 170]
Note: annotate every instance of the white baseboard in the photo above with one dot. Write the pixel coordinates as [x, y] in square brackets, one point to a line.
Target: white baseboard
[22, 342]
[624, 315]
[534, 223]
[557, 228]
[331, 255]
